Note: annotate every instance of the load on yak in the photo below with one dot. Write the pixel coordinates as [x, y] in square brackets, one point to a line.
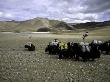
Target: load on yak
[52, 47]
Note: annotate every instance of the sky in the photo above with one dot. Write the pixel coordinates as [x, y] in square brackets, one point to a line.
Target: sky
[72, 11]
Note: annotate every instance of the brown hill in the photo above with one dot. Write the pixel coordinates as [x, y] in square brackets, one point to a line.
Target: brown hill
[36, 24]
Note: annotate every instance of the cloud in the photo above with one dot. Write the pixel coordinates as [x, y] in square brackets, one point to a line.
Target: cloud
[96, 6]
[67, 10]
[5, 15]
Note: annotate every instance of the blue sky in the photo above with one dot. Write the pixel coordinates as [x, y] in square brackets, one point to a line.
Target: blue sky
[66, 10]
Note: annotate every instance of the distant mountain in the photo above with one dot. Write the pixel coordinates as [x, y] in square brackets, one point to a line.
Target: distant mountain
[89, 25]
[36, 24]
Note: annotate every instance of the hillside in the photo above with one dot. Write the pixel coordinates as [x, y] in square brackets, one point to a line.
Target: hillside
[36, 24]
[45, 25]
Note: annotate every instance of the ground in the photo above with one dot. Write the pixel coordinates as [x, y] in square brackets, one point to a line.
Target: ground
[19, 65]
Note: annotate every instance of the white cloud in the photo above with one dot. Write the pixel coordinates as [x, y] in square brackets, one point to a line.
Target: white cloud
[67, 10]
[8, 15]
[1, 14]
[5, 15]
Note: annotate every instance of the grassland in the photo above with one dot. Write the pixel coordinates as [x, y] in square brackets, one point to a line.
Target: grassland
[19, 65]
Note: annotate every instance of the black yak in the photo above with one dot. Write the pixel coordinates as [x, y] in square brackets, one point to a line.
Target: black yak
[30, 46]
[105, 46]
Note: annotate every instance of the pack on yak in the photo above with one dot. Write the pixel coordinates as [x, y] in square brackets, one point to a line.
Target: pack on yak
[52, 47]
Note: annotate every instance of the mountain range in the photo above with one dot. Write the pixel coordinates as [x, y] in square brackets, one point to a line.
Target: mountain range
[45, 25]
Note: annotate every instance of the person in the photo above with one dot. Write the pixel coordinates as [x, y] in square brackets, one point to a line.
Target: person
[65, 46]
[61, 49]
[61, 45]
[85, 35]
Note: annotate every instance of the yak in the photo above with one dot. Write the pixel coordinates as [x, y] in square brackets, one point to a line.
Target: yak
[30, 47]
[105, 47]
[94, 51]
[52, 49]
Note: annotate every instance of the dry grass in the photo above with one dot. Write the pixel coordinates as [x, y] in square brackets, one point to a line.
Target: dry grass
[19, 65]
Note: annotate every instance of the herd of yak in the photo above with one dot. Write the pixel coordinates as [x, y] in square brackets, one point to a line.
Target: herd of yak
[82, 50]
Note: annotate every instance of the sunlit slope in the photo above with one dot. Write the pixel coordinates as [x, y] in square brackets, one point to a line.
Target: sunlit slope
[101, 31]
[8, 26]
[34, 25]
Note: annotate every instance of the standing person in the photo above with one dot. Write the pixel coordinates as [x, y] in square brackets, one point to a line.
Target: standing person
[85, 35]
